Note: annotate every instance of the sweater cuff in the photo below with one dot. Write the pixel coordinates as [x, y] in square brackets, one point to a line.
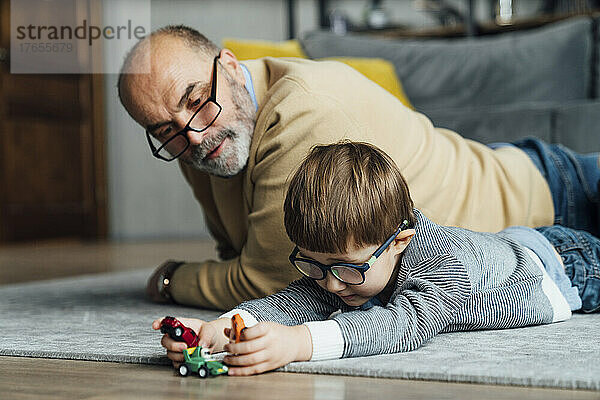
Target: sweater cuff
[248, 318]
[184, 288]
[327, 340]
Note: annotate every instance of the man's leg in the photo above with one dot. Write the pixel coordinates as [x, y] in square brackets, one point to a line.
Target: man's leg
[574, 181]
[580, 253]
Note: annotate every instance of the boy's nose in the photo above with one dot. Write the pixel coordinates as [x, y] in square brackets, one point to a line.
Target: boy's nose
[333, 284]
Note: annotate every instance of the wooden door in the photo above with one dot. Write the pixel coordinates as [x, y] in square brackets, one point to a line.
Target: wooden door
[52, 164]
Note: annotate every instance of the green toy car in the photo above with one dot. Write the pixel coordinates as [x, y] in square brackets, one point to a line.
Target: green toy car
[201, 361]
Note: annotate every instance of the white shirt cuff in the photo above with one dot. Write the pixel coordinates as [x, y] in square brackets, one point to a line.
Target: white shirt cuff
[327, 340]
[249, 320]
[560, 307]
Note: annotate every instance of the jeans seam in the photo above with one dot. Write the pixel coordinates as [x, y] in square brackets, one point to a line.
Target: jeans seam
[579, 170]
[562, 170]
[595, 273]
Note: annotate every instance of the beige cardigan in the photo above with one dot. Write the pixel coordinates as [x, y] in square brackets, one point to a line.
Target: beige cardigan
[452, 180]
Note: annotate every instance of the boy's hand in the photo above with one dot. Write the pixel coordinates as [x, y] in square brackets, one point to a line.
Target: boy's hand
[210, 335]
[267, 346]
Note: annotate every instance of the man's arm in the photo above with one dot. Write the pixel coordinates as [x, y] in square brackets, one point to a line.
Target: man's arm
[262, 268]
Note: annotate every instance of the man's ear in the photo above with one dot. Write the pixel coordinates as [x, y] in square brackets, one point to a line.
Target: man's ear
[403, 239]
[229, 61]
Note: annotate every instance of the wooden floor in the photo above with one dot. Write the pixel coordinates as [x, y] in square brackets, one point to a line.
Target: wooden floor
[28, 378]
[37, 378]
[58, 259]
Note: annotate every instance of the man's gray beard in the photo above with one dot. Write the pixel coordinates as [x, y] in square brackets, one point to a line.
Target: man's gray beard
[234, 155]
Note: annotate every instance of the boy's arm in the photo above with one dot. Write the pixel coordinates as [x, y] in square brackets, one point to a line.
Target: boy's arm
[302, 301]
[422, 306]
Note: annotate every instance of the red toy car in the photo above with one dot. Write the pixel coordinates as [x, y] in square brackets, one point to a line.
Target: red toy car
[178, 331]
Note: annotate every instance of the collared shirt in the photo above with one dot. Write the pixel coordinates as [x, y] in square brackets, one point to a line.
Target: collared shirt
[249, 85]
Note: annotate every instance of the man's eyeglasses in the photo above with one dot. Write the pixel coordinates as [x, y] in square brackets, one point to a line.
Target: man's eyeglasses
[351, 274]
[172, 146]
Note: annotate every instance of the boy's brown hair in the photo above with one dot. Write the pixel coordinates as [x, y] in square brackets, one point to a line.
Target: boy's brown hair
[346, 194]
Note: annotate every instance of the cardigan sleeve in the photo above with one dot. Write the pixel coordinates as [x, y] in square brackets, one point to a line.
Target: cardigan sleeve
[422, 305]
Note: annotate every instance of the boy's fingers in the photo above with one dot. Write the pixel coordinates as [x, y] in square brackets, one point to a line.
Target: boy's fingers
[207, 331]
[171, 344]
[246, 347]
[251, 370]
[175, 356]
[254, 332]
[247, 359]
[156, 323]
[207, 336]
[195, 324]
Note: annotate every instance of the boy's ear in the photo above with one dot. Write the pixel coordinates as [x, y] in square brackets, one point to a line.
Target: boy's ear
[403, 239]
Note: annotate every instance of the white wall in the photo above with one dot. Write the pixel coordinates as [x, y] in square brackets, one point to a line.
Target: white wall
[148, 198]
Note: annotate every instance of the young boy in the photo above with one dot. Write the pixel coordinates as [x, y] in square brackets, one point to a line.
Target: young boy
[382, 278]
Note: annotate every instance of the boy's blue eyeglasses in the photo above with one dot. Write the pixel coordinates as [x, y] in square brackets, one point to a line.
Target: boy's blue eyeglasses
[351, 274]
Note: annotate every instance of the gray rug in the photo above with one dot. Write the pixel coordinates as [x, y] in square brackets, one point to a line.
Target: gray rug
[105, 318]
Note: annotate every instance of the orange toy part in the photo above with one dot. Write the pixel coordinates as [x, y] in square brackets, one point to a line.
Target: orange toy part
[237, 327]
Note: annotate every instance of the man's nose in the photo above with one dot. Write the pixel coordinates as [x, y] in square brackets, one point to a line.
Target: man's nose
[182, 120]
[195, 137]
[333, 284]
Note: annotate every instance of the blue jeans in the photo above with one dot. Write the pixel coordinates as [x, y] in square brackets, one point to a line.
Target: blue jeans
[580, 252]
[574, 181]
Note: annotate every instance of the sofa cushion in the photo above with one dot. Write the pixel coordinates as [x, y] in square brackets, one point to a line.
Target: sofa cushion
[552, 63]
[504, 123]
[380, 71]
[251, 49]
[578, 126]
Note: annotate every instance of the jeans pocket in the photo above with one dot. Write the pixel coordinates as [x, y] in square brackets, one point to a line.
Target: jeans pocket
[580, 253]
[573, 258]
[582, 266]
[590, 295]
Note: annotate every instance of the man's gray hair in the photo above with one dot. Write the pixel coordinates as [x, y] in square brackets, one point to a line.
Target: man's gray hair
[191, 37]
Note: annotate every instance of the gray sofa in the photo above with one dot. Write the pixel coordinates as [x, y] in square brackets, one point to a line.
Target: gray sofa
[543, 82]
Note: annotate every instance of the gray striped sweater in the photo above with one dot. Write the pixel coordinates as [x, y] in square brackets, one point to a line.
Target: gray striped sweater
[450, 279]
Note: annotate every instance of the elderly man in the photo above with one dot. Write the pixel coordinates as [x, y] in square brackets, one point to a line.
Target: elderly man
[239, 130]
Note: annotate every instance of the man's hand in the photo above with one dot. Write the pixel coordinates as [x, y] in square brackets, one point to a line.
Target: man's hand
[267, 346]
[155, 282]
[210, 335]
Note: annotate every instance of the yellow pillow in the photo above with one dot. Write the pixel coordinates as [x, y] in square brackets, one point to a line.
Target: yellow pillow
[378, 70]
[251, 49]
